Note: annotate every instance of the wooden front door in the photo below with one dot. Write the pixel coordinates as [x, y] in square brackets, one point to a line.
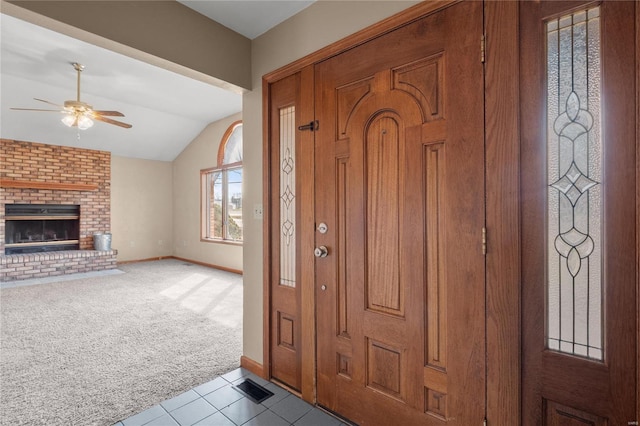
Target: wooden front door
[399, 199]
[579, 253]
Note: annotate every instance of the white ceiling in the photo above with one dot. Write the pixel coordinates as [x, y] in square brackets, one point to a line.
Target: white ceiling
[167, 110]
[250, 18]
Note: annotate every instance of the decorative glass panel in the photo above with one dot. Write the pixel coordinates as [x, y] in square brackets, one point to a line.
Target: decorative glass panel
[574, 167]
[287, 197]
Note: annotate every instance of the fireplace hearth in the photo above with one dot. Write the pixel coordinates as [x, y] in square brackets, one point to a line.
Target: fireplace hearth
[35, 228]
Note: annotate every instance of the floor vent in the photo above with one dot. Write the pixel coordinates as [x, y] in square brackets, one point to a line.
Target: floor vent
[253, 391]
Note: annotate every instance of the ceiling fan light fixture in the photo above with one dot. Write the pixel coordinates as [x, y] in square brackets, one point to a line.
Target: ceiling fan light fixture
[81, 120]
[80, 114]
[84, 122]
[69, 120]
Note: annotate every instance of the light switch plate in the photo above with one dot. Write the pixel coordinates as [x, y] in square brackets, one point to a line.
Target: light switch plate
[257, 211]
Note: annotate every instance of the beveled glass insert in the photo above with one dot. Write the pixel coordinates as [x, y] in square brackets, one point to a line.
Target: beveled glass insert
[287, 197]
[574, 172]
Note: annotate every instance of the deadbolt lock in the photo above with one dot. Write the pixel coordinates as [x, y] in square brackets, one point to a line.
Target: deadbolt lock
[323, 228]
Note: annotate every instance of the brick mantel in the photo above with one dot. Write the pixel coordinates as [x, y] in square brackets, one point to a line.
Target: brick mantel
[13, 183]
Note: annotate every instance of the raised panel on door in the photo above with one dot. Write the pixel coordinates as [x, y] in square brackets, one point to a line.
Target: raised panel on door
[400, 186]
[579, 252]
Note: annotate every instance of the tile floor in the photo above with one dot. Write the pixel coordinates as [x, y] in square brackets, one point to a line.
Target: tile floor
[217, 403]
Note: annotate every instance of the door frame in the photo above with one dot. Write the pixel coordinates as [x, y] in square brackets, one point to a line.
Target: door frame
[502, 174]
[638, 202]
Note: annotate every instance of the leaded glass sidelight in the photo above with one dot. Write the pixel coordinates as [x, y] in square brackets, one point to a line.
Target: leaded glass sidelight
[574, 172]
[287, 197]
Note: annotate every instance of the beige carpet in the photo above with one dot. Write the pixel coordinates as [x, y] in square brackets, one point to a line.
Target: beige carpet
[96, 350]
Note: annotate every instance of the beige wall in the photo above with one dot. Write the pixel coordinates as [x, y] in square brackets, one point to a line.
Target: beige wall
[141, 208]
[321, 24]
[200, 154]
[155, 205]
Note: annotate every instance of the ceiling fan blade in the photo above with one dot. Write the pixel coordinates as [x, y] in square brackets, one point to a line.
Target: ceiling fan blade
[47, 102]
[109, 113]
[34, 109]
[110, 121]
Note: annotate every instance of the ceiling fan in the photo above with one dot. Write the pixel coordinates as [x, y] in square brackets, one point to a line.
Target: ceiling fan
[78, 113]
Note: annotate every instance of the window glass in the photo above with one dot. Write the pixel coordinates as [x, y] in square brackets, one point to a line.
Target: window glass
[216, 204]
[234, 209]
[222, 190]
[233, 147]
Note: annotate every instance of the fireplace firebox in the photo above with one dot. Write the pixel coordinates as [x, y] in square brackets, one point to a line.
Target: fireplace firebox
[34, 228]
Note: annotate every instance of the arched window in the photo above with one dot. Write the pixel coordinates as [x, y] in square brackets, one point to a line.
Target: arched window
[222, 190]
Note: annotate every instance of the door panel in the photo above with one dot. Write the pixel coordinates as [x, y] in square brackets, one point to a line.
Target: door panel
[578, 224]
[285, 326]
[400, 185]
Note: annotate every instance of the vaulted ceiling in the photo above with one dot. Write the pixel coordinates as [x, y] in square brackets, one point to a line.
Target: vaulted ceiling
[167, 110]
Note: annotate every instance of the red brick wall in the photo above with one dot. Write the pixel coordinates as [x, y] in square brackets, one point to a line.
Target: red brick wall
[39, 265]
[36, 162]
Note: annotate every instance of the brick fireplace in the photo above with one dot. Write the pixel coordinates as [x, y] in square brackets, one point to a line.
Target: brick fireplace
[35, 173]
